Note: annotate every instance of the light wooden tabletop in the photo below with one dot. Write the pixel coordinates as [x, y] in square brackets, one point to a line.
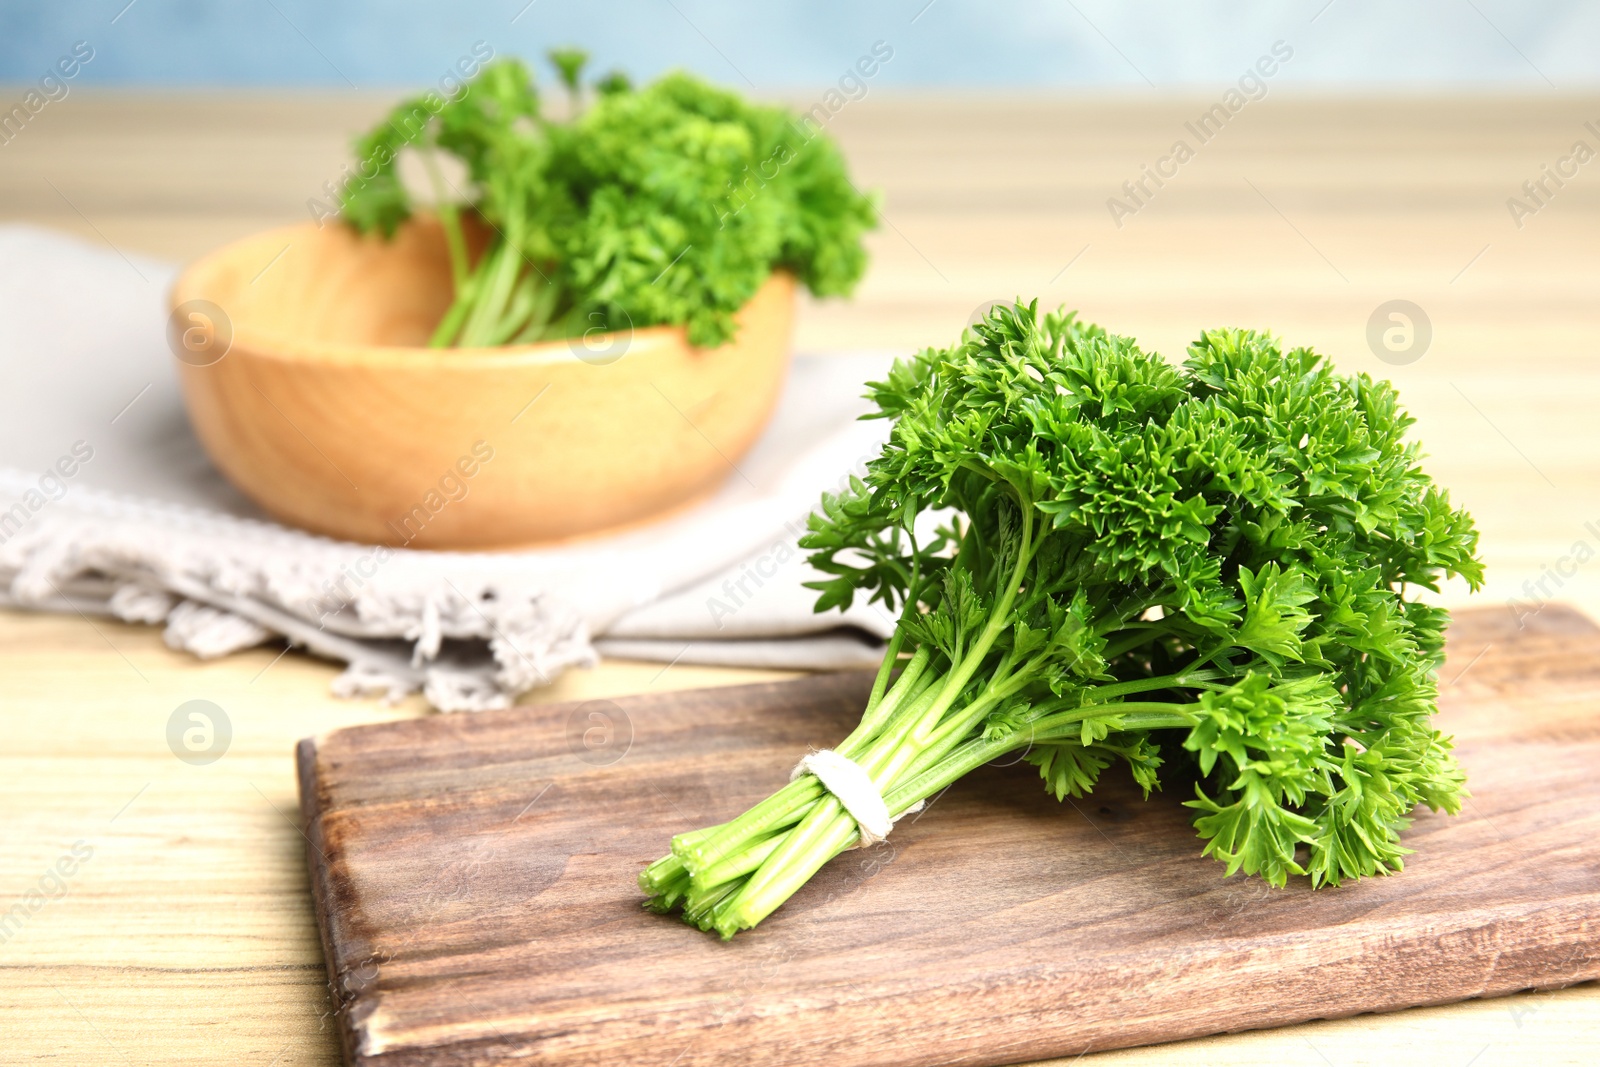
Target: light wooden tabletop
[186, 935]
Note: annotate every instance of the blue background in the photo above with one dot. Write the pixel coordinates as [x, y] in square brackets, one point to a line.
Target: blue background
[787, 44]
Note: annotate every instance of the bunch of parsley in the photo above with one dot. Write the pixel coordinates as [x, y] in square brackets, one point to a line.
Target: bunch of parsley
[670, 204]
[1098, 557]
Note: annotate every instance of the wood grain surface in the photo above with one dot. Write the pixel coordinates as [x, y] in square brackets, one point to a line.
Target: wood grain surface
[189, 937]
[474, 884]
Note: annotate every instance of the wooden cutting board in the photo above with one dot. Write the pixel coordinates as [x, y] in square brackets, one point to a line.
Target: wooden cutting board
[474, 881]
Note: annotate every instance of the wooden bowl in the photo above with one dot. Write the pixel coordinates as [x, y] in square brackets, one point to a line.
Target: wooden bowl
[303, 367]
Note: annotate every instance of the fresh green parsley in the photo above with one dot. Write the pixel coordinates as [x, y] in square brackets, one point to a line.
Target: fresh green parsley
[1099, 558]
[671, 204]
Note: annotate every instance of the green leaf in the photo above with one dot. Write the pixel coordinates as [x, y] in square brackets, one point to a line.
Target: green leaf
[1254, 833]
[1274, 613]
[569, 64]
[1068, 770]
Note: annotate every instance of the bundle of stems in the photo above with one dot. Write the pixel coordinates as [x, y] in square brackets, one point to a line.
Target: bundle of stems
[506, 297]
[922, 730]
[916, 737]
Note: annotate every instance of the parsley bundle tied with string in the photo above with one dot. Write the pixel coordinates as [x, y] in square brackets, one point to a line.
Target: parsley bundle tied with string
[1202, 570]
[667, 205]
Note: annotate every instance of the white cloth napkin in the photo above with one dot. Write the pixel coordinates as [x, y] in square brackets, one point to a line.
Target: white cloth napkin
[108, 504]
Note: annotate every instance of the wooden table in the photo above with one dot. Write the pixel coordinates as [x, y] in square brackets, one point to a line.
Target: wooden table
[186, 936]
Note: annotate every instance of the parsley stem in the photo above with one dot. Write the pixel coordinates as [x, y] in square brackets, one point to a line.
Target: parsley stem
[891, 658]
[740, 863]
[795, 851]
[780, 809]
[449, 327]
[760, 897]
[484, 321]
[449, 219]
[909, 685]
[998, 620]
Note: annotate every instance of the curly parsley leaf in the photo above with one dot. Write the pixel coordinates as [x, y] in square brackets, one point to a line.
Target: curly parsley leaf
[669, 204]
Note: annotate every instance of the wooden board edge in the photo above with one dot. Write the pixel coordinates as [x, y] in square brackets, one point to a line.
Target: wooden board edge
[1511, 959]
[1515, 963]
[626, 701]
[317, 863]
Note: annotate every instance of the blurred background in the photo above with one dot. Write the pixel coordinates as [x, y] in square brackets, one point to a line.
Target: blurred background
[1015, 44]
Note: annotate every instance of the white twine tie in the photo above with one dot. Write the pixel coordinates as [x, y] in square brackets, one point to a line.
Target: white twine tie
[853, 786]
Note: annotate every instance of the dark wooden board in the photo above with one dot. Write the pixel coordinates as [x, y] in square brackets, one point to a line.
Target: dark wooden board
[474, 881]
